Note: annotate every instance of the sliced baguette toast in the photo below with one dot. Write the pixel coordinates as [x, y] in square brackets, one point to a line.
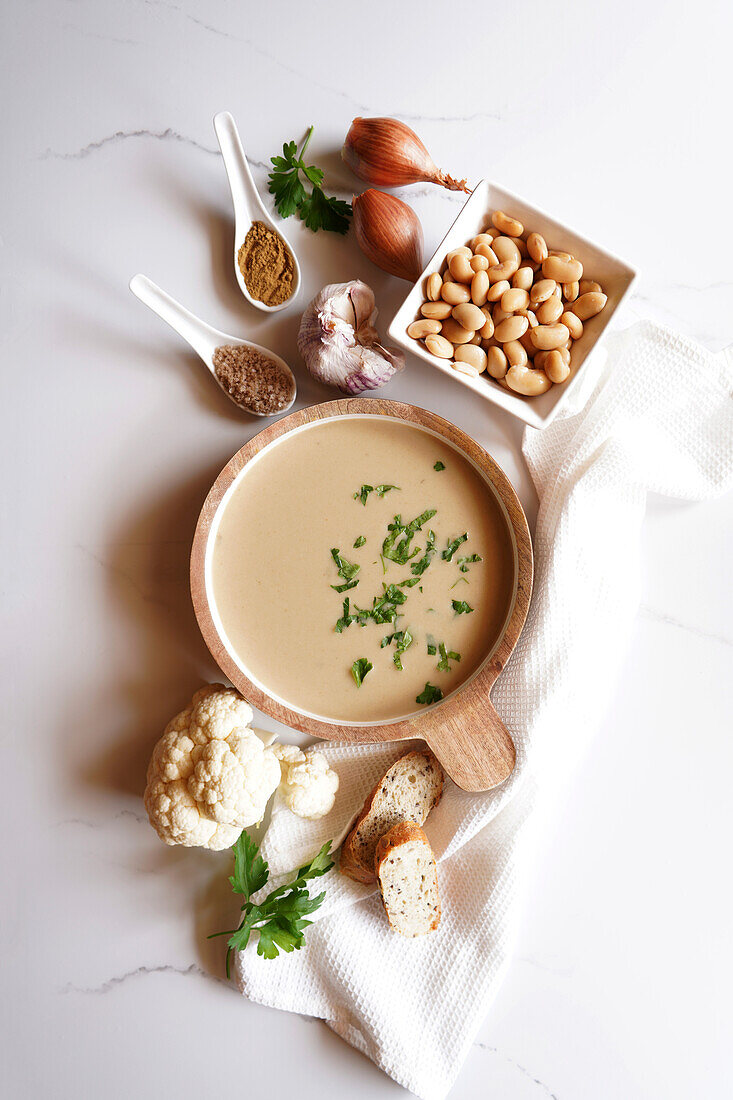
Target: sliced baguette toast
[406, 792]
[408, 880]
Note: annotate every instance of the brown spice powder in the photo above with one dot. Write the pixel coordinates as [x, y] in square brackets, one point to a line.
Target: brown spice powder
[267, 265]
[251, 379]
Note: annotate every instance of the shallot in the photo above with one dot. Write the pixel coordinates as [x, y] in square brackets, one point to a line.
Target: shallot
[389, 233]
[386, 152]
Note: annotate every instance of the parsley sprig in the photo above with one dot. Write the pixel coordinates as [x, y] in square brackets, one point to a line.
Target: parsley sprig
[317, 210]
[280, 918]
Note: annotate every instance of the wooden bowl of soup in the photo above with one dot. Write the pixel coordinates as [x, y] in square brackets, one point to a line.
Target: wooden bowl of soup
[361, 570]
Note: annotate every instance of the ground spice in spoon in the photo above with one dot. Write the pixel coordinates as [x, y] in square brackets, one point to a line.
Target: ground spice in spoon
[267, 265]
[252, 379]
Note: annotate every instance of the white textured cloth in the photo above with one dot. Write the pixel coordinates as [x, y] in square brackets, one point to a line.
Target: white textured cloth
[660, 419]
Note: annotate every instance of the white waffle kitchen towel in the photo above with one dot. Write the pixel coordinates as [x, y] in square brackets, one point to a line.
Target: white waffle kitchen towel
[660, 419]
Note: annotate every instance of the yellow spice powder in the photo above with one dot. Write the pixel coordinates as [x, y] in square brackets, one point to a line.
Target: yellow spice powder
[267, 265]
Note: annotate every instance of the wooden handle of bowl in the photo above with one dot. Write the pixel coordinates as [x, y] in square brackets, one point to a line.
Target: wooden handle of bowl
[471, 742]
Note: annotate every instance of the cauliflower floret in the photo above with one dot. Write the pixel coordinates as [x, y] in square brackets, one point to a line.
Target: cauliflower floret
[176, 816]
[210, 775]
[234, 778]
[308, 785]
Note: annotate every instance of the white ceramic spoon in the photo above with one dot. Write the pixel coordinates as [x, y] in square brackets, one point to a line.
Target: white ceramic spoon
[202, 337]
[248, 206]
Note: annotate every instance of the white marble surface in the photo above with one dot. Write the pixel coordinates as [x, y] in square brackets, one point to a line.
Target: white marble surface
[613, 117]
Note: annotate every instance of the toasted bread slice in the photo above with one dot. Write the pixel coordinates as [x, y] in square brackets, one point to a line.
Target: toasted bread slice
[408, 880]
[407, 792]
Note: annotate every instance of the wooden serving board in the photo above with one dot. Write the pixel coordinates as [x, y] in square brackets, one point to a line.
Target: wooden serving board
[464, 731]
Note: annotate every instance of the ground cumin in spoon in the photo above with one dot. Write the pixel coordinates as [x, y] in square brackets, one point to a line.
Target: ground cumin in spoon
[252, 379]
[267, 265]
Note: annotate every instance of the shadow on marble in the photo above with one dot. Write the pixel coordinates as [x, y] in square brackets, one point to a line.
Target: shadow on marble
[146, 562]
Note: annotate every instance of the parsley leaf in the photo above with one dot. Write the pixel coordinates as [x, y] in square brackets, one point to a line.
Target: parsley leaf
[346, 618]
[317, 210]
[439, 466]
[461, 607]
[403, 640]
[384, 607]
[250, 870]
[359, 542]
[451, 548]
[275, 937]
[417, 523]
[279, 918]
[419, 567]
[445, 657]
[365, 490]
[344, 587]
[429, 694]
[396, 546]
[346, 569]
[284, 182]
[359, 670]
[325, 212]
[463, 563]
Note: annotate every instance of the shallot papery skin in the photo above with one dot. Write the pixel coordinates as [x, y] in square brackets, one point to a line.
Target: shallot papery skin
[339, 343]
[386, 152]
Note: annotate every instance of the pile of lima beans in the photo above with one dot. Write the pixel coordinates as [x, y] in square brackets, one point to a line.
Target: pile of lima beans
[508, 305]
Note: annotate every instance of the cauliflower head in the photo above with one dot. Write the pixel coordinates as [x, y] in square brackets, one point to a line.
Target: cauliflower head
[308, 785]
[210, 775]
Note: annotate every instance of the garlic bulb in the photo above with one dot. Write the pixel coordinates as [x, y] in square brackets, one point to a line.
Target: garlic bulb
[339, 343]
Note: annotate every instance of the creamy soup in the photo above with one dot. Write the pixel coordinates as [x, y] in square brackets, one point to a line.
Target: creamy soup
[311, 556]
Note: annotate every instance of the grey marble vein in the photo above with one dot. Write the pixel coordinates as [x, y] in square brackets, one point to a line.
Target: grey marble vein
[259, 167]
[140, 817]
[563, 971]
[658, 616]
[127, 577]
[476, 116]
[535, 1080]
[192, 19]
[86, 33]
[275, 59]
[123, 135]
[142, 972]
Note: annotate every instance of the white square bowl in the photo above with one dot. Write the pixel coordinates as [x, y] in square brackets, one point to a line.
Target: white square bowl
[615, 276]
